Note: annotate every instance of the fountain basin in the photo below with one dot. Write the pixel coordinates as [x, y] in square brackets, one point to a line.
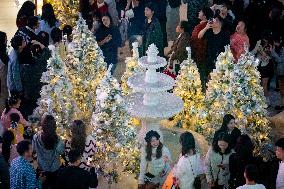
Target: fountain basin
[144, 63]
[138, 83]
[167, 106]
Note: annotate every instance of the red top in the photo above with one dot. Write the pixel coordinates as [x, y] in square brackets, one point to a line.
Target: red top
[99, 11]
[198, 46]
[237, 43]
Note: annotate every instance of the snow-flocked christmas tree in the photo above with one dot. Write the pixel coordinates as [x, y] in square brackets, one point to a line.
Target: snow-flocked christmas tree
[189, 88]
[56, 97]
[113, 132]
[218, 94]
[86, 68]
[248, 99]
[65, 11]
[132, 68]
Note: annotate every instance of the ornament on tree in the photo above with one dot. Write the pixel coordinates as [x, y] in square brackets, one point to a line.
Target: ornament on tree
[56, 97]
[189, 88]
[249, 105]
[86, 68]
[113, 132]
[218, 100]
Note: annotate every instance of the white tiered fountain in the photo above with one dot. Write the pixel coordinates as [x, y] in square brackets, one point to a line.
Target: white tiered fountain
[151, 102]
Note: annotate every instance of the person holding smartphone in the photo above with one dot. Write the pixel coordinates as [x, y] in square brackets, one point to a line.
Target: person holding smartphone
[217, 163]
[216, 38]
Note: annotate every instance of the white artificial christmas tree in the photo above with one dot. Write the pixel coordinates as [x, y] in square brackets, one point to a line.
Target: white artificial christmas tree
[189, 88]
[113, 131]
[86, 68]
[218, 94]
[132, 68]
[56, 95]
[248, 99]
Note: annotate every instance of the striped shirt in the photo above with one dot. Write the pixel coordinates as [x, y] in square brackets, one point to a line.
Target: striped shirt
[90, 150]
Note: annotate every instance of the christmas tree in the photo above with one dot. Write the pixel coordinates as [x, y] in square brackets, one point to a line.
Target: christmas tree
[86, 68]
[114, 135]
[248, 99]
[132, 68]
[189, 88]
[65, 10]
[218, 94]
[56, 97]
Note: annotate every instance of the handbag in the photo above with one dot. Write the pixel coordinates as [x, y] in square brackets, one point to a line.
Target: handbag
[197, 179]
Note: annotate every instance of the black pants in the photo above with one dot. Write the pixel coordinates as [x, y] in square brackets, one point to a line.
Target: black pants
[163, 24]
[50, 182]
[218, 187]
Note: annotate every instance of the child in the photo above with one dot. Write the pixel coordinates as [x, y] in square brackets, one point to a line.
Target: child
[12, 105]
[16, 128]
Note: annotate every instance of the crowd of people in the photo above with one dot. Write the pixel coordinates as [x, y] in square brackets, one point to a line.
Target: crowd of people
[33, 159]
[229, 163]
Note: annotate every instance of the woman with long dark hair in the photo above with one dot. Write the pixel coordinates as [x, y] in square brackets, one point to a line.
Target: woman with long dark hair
[217, 162]
[189, 163]
[48, 147]
[155, 161]
[152, 30]
[48, 20]
[81, 141]
[239, 160]
[4, 59]
[9, 150]
[25, 11]
[229, 127]
[109, 39]
[14, 78]
[12, 105]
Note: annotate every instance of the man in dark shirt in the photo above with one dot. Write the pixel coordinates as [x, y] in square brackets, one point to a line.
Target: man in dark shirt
[74, 177]
[216, 38]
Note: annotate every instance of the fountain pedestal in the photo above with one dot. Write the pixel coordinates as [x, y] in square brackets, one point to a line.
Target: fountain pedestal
[150, 102]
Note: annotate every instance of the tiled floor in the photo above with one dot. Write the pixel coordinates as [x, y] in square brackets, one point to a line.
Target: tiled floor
[8, 14]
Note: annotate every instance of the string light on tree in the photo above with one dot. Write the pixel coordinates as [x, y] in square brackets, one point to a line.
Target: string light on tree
[189, 88]
[132, 68]
[113, 132]
[86, 68]
[218, 99]
[249, 100]
[65, 10]
[56, 97]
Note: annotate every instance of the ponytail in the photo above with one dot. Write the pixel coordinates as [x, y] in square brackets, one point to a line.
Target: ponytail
[7, 106]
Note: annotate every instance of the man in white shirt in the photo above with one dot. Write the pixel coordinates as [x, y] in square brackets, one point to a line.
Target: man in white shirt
[250, 175]
[280, 155]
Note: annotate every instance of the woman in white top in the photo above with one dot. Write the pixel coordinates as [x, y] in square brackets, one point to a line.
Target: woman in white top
[86, 144]
[155, 161]
[250, 175]
[48, 20]
[189, 165]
